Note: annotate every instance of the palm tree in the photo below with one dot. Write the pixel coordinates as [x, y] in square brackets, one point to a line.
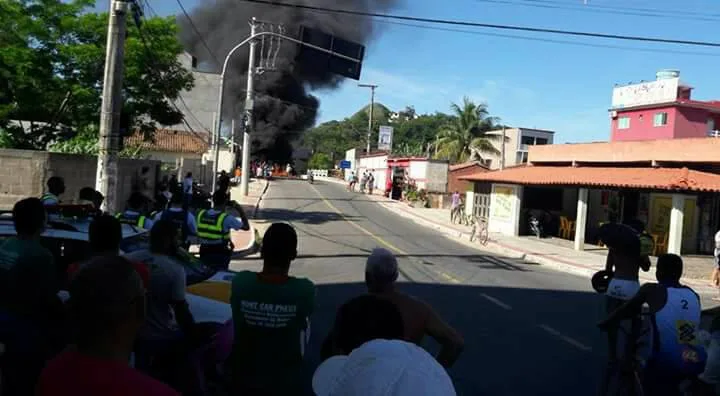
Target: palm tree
[465, 136]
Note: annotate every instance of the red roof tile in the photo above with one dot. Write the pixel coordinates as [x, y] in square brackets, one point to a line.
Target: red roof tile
[172, 141]
[467, 165]
[643, 178]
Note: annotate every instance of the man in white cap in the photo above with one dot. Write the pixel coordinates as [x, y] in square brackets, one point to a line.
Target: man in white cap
[381, 273]
[372, 360]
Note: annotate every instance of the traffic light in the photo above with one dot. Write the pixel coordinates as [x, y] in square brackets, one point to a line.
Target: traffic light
[314, 59]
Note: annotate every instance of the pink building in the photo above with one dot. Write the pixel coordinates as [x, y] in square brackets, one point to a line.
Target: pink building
[661, 109]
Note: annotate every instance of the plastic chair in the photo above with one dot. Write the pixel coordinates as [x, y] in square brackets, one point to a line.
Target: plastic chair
[567, 227]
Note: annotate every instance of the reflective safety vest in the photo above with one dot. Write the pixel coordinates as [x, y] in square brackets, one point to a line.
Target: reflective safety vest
[210, 226]
[135, 219]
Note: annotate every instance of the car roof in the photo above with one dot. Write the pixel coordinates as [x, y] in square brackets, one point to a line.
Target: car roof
[70, 228]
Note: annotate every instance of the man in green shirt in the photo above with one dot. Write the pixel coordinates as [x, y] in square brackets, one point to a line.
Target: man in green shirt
[271, 313]
[28, 276]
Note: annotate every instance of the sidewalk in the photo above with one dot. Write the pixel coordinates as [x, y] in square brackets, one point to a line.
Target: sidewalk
[552, 252]
[244, 241]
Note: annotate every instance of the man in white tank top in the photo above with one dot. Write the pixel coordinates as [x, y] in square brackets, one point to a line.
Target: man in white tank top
[675, 314]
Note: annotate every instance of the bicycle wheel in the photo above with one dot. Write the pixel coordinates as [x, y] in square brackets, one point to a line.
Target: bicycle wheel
[483, 234]
[472, 234]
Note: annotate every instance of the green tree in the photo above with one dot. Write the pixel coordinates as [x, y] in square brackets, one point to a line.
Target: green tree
[466, 134]
[52, 56]
[86, 143]
[418, 135]
[320, 161]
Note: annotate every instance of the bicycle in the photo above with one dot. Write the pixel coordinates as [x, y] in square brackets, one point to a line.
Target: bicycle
[623, 377]
[479, 230]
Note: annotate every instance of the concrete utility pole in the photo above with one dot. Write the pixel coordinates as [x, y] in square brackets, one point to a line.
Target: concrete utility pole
[502, 149]
[372, 110]
[249, 107]
[107, 167]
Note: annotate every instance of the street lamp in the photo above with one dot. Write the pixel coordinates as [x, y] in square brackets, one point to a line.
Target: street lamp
[372, 109]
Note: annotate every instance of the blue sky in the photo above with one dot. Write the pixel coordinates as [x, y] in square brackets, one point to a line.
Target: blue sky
[528, 83]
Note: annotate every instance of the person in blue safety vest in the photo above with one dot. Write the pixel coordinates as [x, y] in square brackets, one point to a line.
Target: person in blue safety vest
[179, 215]
[214, 226]
[133, 214]
[55, 188]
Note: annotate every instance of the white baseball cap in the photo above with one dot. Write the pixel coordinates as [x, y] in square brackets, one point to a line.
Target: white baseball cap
[383, 368]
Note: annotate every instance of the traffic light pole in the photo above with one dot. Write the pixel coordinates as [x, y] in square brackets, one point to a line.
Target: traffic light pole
[107, 167]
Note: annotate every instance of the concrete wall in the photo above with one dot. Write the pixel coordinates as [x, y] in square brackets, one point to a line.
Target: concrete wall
[691, 123]
[437, 176]
[641, 125]
[505, 203]
[455, 184]
[199, 104]
[24, 173]
[377, 164]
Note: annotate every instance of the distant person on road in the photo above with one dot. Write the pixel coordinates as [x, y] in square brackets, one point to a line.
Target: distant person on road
[55, 188]
[363, 182]
[106, 309]
[381, 274]
[224, 183]
[370, 182]
[179, 215]
[133, 215]
[214, 227]
[675, 313]
[370, 358]
[271, 312]
[625, 282]
[187, 188]
[455, 206]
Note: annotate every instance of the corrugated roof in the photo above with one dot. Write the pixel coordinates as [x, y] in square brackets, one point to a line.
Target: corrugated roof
[172, 141]
[642, 178]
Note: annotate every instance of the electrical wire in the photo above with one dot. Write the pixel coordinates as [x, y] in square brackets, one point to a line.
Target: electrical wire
[200, 36]
[544, 40]
[671, 12]
[588, 8]
[488, 25]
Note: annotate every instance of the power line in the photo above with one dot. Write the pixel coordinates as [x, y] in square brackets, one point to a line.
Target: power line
[646, 12]
[197, 32]
[488, 25]
[544, 40]
[625, 8]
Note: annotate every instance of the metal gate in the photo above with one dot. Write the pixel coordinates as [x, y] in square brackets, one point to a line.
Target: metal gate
[481, 206]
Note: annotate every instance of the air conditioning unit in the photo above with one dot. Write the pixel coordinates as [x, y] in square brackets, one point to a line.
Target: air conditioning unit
[613, 114]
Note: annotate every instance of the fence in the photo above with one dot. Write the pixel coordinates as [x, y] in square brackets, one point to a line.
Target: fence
[318, 172]
[481, 205]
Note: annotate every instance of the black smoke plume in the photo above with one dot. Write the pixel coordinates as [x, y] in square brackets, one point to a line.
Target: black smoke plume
[284, 105]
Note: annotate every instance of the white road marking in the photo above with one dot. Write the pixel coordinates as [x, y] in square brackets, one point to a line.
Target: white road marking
[569, 340]
[496, 301]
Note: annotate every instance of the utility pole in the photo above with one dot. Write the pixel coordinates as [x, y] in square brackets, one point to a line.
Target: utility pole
[249, 107]
[372, 110]
[107, 167]
[502, 149]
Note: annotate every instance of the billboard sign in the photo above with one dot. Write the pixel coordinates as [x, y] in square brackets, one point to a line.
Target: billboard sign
[385, 138]
[660, 91]
[345, 164]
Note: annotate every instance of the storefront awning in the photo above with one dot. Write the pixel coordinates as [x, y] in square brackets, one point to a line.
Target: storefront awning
[681, 179]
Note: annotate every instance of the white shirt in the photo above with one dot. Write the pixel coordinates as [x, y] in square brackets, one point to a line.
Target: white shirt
[187, 185]
[717, 240]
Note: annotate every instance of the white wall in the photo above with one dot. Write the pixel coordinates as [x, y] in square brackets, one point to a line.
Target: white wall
[505, 202]
[377, 165]
[437, 176]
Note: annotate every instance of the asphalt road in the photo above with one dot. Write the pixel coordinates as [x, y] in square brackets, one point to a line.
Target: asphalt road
[528, 330]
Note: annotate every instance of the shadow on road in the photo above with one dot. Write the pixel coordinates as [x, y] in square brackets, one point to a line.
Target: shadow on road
[503, 344]
[305, 217]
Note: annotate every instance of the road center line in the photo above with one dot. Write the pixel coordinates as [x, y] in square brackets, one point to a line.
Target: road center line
[569, 340]
[385, 243]
[496, 301]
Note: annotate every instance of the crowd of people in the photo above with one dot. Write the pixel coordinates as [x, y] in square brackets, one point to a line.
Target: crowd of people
[125, 326]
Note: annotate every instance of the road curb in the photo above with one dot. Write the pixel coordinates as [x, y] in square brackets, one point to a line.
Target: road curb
[252, 247]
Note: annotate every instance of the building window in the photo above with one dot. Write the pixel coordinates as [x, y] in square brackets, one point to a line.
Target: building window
[522, 157]
[623, 123]
[660, 119]
[528, 140]
[540, 141]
